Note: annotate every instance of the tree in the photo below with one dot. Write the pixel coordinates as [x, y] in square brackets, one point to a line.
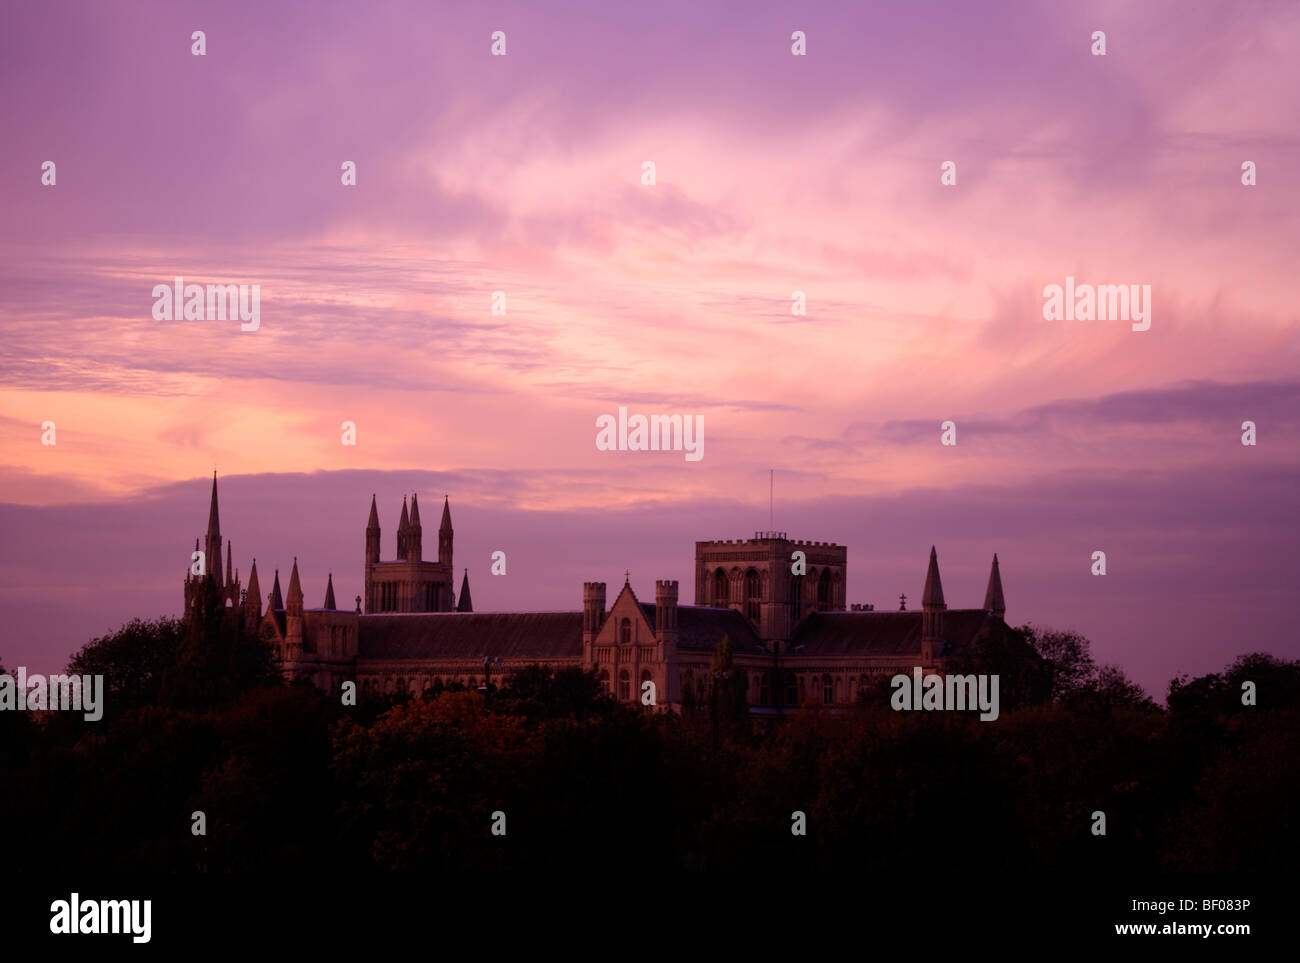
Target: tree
[728, 694]
[218, 657]
[132, 661]
[537, 691]
[1068, 654]
[1076, 678]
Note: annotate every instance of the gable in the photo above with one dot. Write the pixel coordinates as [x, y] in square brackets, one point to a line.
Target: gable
[626, 607]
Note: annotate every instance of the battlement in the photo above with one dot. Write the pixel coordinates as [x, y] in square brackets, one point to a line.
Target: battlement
[762, 537]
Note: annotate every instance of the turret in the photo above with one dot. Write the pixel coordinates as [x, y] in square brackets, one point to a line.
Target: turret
[932, 609]
[444, 534]
[293, 616]
[403, 531]
[253, 600]
[372, 533]
[329, 593]
[415, 534]
[993, 600]
[464, 604]
[593, 614]
[666, 611]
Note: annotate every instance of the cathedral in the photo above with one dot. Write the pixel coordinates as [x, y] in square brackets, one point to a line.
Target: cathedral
[414, 631]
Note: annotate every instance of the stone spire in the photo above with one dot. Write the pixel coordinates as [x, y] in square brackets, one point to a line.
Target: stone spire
[415, 534]
[212, 544]
[464, 604]
[329, 593]
[253, 600]
[293, 600]
[214, 521]
[403, 530]
[933, 594]
[372, 532]
[993, 600]
[293, 623]
[932, 609]
[276, 603]
[445, 534]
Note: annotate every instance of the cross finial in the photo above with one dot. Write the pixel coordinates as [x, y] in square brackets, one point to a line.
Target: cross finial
[902, 602]
[627, 577]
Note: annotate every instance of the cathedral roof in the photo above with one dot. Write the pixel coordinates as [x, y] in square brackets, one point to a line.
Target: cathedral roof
[470, 635]
[702, 628]
[885, 633]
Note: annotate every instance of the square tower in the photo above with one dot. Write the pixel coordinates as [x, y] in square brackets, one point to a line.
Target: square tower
[756, 577]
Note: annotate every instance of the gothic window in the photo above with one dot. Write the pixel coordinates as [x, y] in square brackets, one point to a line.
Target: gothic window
[791, 697]
[720, 593]
[824, 590]
[625, 631]
[796, 597]
[751, 595]
[624, 686]
[765, 690]
[603, 678]
[828, 690]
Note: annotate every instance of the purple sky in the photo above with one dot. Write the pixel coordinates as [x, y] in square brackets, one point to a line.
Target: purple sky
[775, 174]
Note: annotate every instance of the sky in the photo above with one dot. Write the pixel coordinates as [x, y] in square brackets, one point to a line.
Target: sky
[774, 173]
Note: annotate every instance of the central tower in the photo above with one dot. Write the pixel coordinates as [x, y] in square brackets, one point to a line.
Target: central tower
[408, 583]
[757, 577]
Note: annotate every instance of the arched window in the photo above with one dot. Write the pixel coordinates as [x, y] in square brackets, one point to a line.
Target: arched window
[624, 686]
[625, 631]
[603, 679]
[765, 689]
[720, 592]
[751, 594]
[791, 694]
[796, 597]
[828, 690]
[824, 590]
